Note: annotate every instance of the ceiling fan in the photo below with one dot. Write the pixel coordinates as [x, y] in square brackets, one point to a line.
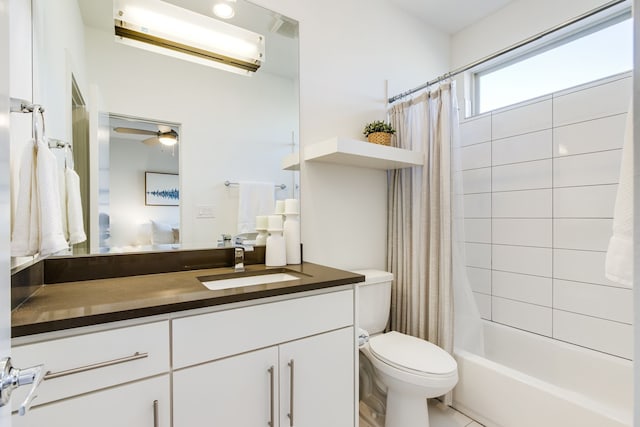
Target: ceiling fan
[164, 135]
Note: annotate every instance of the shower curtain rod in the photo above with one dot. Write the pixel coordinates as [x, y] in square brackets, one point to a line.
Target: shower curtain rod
[507, 49]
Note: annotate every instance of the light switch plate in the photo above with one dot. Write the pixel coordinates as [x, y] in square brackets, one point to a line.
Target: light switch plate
[205, 211]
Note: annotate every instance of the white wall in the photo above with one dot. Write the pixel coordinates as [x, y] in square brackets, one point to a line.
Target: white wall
[347, 51]
[127, 189]
[515, 22]
[233, 127]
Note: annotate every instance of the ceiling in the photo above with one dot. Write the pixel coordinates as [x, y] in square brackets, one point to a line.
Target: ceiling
[450, 16]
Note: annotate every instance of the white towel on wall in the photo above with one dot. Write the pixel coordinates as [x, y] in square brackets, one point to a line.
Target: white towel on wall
[52, 238]
[74, 220]
[619, 262]
[254, 198]
[25, 237]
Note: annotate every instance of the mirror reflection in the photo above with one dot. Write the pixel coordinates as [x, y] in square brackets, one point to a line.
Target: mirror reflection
[229, 127]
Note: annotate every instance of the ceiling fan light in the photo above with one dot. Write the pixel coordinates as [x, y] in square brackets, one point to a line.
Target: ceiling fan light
[168, 139]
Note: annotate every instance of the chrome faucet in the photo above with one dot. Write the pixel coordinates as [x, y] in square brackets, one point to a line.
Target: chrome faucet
[239, 259]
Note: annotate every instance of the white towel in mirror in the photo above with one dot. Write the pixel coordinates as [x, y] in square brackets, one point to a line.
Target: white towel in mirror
[254, 198]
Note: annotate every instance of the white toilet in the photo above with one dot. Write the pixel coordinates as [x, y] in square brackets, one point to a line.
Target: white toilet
[410, 368]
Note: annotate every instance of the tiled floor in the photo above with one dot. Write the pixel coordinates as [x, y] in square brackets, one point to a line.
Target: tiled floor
[439, 416]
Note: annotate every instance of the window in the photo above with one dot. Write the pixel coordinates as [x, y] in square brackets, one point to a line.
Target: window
[593, 53]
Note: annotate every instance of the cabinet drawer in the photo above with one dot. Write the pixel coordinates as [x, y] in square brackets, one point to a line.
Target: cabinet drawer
[83, 363]
[212, 336]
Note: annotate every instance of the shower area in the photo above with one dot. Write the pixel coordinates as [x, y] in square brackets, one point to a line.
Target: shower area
[538, 179]
[539, 186]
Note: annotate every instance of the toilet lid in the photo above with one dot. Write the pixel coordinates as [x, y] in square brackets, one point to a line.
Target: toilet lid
[404, 351]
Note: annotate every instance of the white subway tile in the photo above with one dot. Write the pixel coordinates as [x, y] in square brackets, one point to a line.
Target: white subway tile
[587, 169]
[478, 255]
[595, 201]
[593, 300]
[523, 176]
[592, 103]
[522, 232]
[587, 137]
[522, 287]
[477, 205]
[476, 156]
[585, 234]
[477, 230]
[476, 181]
[524, 119]
[598, 334]
[479, 279]
[522, 204]
[581, 266]
[529, 317]
[484, 305]
[522, 259]
[475, 131]
[522, 148]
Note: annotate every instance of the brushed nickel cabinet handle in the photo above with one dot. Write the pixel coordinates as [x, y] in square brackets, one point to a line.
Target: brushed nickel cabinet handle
[272, 398]
[137, 355]
[156, 422]
[291, 383]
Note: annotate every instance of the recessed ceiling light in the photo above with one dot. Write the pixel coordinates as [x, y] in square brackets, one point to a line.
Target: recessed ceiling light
[223, 10]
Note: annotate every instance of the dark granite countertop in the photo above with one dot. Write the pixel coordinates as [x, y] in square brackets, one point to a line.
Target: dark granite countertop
[90, 302]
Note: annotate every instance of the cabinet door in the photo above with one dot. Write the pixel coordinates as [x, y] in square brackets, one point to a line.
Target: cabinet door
[129, 405]
[319, 387]
[239, 391]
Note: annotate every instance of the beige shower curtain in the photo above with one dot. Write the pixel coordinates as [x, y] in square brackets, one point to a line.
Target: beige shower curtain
[419, 234]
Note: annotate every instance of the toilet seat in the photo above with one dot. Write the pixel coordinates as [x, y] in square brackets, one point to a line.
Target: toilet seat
[411, 354]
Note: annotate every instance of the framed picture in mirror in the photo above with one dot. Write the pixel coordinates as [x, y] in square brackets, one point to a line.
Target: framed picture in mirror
[161, 189]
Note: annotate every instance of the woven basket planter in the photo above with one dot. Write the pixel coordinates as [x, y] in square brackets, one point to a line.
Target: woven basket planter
[381, 138]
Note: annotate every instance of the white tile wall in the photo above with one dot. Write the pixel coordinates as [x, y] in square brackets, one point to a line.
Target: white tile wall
[479, 279]
[581, 266]
[474, 131]
[593, 103]
[522, 259]
[529, 317]
[477, 230]
[522, 232]
[541, 202]
[522, 287]
[588, 137]
[523, 148]
[585, 234]
[585, 298]
[476, 181]
[595, 201]
[520, 120]
[522, 176]
[602, 335]
[477, 205]
[587, 169]
[478, 255]
[522, 204]
[476, 156]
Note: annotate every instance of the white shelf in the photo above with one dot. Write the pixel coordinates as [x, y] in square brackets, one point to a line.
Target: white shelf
[346, 151]
[291, 162]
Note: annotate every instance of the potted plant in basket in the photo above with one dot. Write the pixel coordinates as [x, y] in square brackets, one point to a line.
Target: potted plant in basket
[379, 132]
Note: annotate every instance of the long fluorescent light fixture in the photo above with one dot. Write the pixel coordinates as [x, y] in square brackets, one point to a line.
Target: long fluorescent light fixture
[165, 28]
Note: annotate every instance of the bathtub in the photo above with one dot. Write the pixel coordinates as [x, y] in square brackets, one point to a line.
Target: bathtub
[527, 380]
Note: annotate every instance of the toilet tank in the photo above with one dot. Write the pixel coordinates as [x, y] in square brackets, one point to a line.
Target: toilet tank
[374, 300]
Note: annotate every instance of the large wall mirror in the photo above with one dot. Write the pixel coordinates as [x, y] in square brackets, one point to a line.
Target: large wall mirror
[230, 127]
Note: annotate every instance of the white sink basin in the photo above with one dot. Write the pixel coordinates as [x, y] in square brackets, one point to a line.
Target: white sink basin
[237, 282]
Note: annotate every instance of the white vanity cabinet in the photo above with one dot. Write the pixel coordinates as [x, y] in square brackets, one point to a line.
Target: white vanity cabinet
[104, 378]
[260, 365]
